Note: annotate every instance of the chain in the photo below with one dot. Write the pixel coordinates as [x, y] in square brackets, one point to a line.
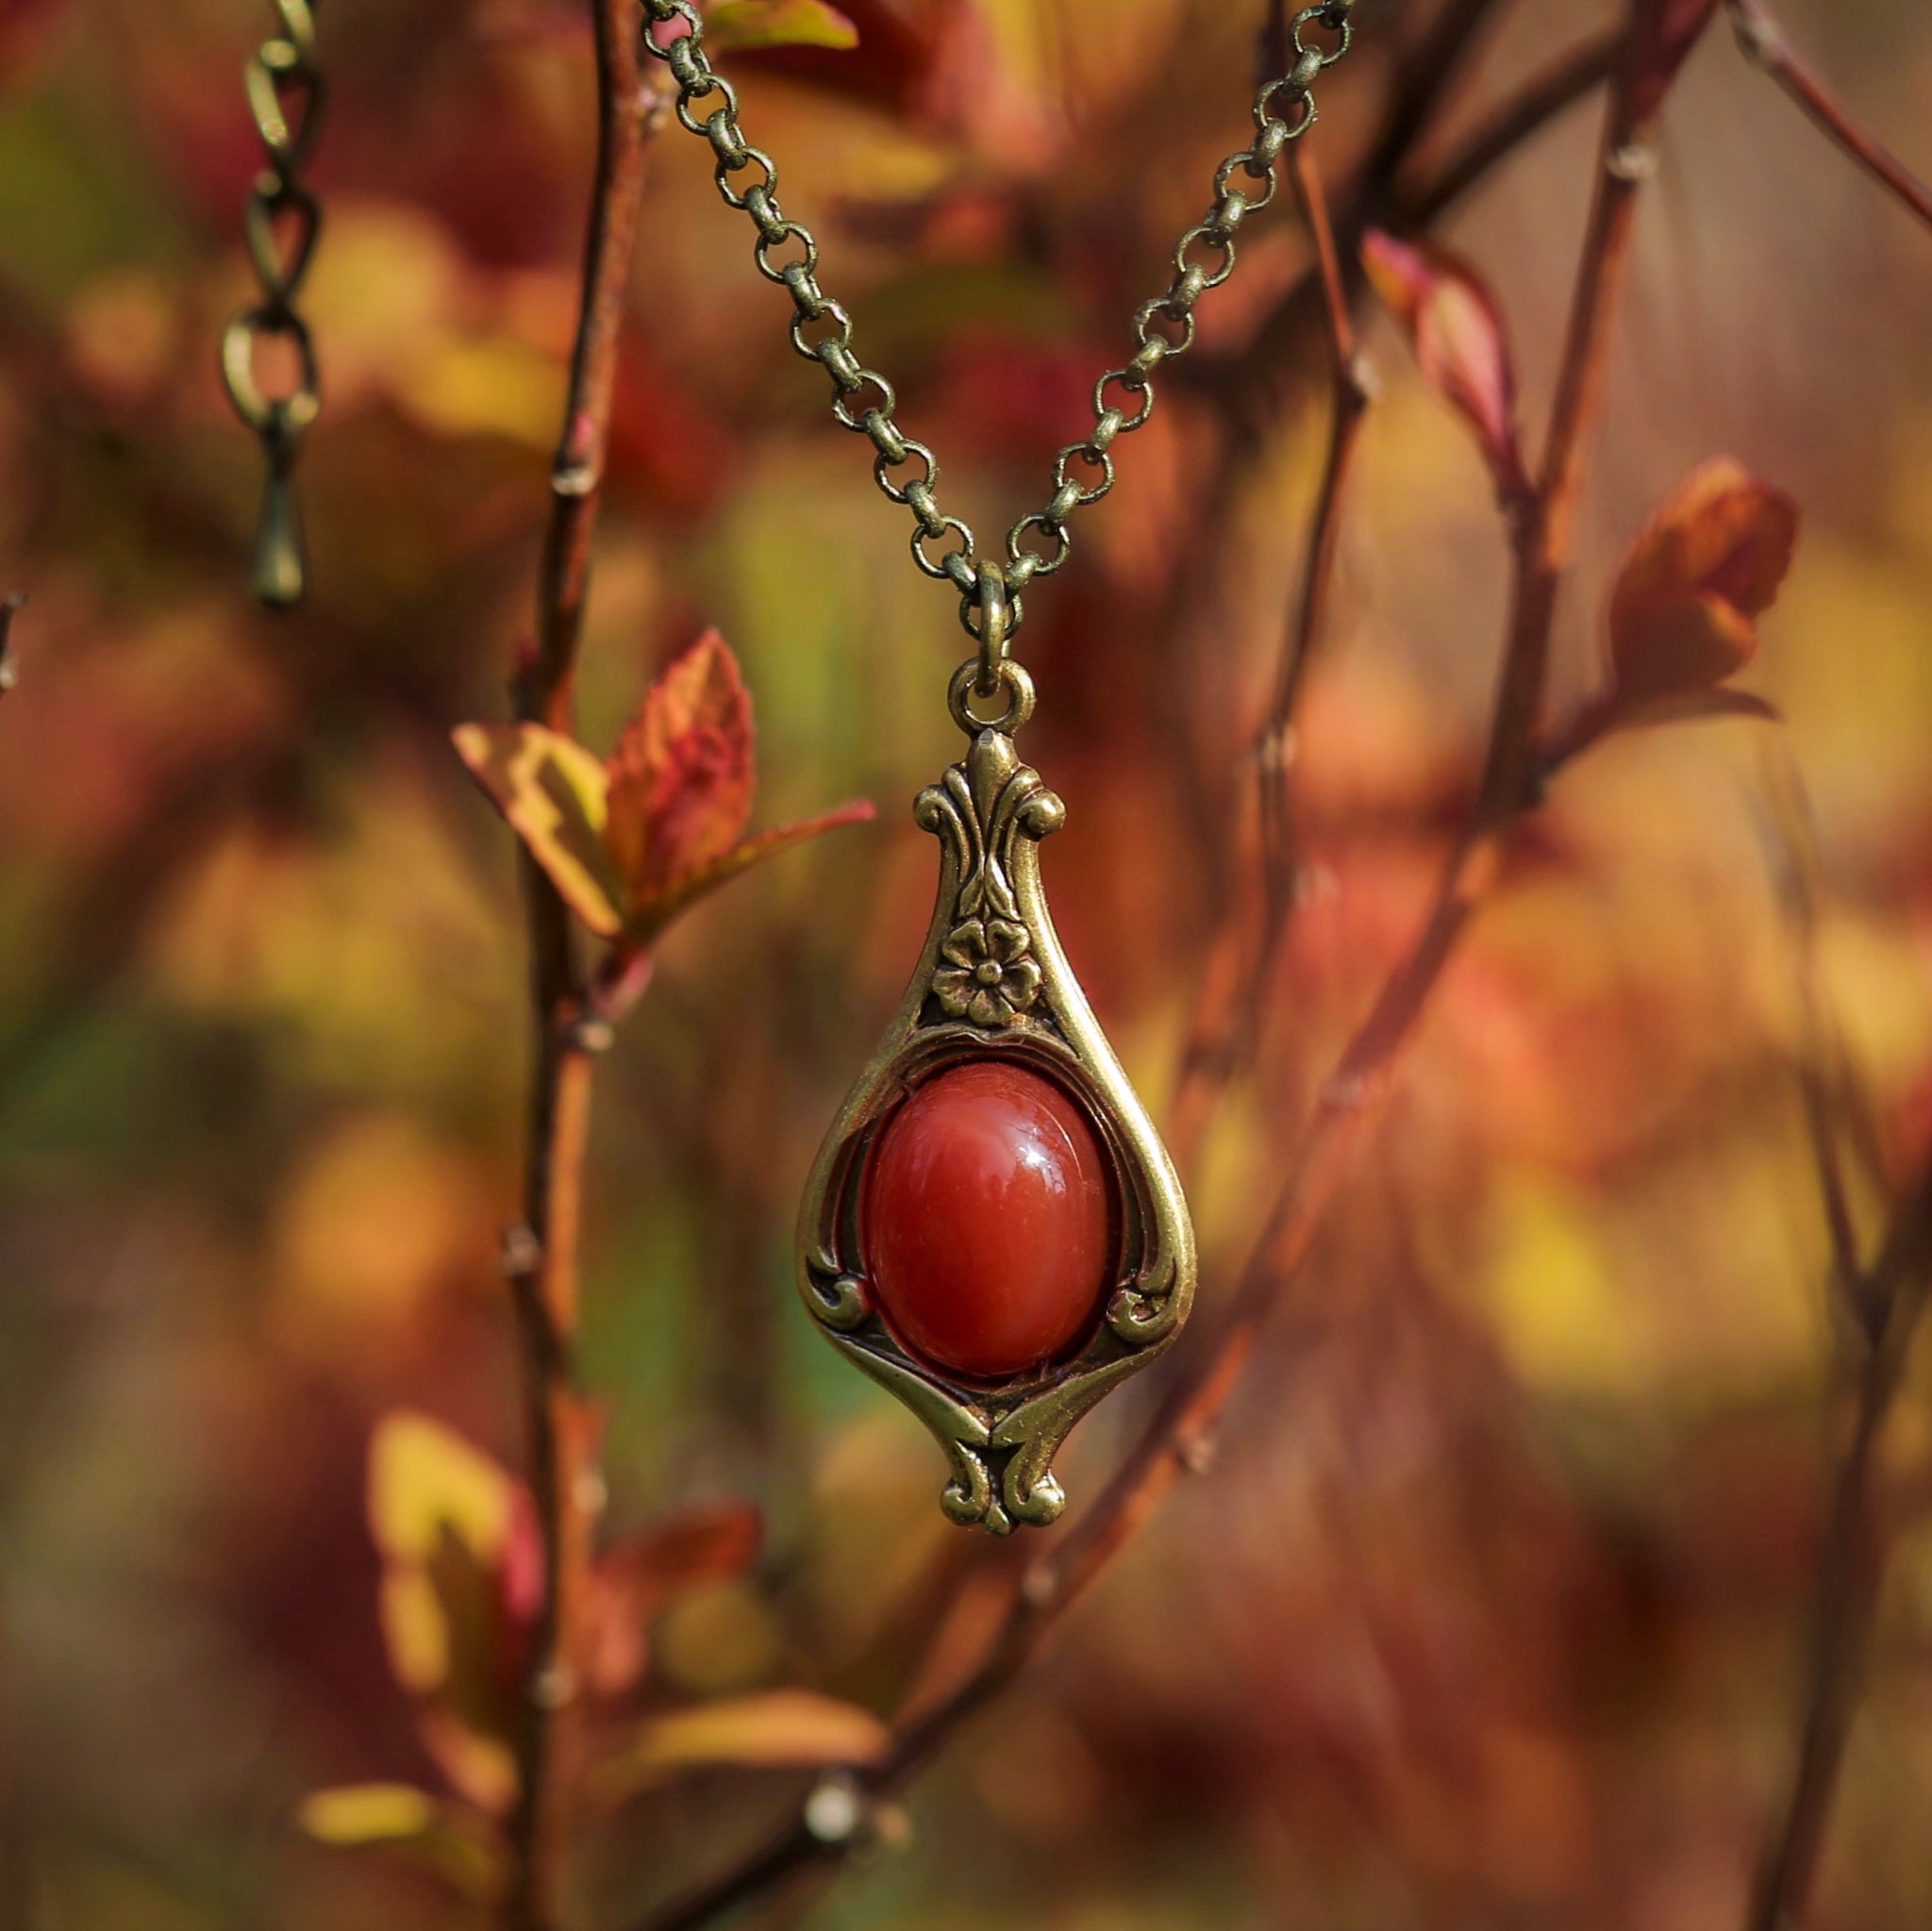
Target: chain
[866, 403]
[285, 95]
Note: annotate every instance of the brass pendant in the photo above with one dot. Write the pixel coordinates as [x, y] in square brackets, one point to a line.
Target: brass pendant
[994, 1032]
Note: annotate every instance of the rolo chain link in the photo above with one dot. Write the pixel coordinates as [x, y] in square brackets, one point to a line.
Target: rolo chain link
[944, 546]
[285, 95]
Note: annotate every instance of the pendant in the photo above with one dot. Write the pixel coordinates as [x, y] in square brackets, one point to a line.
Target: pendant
[993, 1230]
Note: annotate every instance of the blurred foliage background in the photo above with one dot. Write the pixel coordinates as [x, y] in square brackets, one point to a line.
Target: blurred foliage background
[1492, 1613]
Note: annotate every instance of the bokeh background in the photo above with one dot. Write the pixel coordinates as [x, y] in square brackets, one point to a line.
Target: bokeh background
[1491, 1611]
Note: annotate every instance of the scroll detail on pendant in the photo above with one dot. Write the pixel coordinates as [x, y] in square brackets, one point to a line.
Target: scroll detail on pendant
[993, 1230]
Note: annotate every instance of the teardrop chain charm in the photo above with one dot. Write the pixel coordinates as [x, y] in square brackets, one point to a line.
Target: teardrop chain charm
[993, 1230]
[284, 219]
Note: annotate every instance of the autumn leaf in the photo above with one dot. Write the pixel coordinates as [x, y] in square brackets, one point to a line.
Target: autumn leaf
[681, 781]
[738, 26]
[1706, 566]
[461, 1579]
[1462, 343]
[555, 795]
[636, 1577]
[778, 1729]
[464, 1847]
[632, 844]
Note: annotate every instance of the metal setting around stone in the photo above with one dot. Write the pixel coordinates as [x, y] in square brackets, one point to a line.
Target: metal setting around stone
[994, 983]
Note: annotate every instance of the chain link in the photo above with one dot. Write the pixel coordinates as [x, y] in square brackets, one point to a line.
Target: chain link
[285, 95]
[907, 472]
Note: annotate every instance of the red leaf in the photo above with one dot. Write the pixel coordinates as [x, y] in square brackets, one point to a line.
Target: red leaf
[1709, 564]
[682, 778]
[1460, 341]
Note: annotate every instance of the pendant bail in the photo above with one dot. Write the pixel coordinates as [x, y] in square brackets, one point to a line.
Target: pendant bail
[995, 629]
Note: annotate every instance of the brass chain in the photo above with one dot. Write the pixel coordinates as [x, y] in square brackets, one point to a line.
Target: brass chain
[285, 95]
[822, 329]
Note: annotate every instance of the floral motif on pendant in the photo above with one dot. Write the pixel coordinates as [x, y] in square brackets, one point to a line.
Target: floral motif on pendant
[990, 976]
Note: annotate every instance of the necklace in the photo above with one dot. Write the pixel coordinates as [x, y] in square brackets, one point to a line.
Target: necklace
[993, 1230]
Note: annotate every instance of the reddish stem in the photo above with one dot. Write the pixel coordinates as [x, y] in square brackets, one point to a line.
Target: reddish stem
[1764, 43]
[543, 1270]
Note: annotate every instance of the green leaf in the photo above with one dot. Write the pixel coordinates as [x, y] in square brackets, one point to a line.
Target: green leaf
[649, 920]
[556, 797]
[735, 25]
[463, 1847]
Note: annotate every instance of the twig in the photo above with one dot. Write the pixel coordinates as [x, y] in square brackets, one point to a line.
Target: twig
[543, 1259]
[1566, 81]
[1178, 1436]
[1849, 1571]
[1765, 45]
[1823, 1083]
[1224, 1030]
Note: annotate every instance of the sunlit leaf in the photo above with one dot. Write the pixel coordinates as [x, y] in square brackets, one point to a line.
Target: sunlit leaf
[1709, 564]
[1462, 343]
[635, 1577]
[462, 1847]
[769, 844]
[368, 1814]
[458, 1594]
[554, 794]
[780, 1729]
[735, 24]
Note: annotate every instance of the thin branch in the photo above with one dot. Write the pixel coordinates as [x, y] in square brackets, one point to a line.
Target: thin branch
[1225, 1029]
[1851, 1569]
[1179, 1438]
[1765, 45]
[1512, 125]
[1824, 1082]
[542, 1260]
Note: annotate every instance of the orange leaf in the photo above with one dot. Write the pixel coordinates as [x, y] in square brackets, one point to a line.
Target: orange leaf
[1462, 343]
[636, 1577]
[778, 1729]
[1707, 564]
[681, 781]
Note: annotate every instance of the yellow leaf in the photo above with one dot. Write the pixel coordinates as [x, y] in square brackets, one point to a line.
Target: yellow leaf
[465, 1848]
[425, 1478]
[733, 26]
[368, 1814]
[556, 797]
[460, 1575]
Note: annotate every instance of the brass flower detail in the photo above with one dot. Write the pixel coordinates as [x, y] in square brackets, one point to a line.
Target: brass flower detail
[989, 976]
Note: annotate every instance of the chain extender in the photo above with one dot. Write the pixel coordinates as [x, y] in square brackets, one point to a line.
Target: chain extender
[1204, 259]
[285, 95]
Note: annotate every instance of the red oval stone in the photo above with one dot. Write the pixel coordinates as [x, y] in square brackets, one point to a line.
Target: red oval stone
[990, 1224]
